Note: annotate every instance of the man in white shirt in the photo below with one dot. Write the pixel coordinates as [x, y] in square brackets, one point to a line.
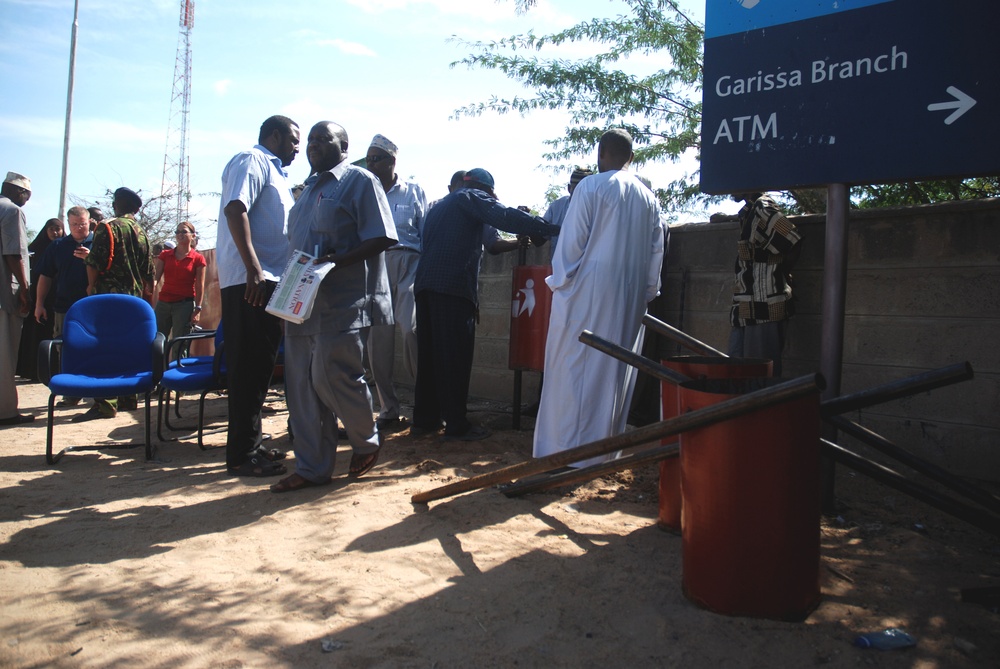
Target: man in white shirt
[251, 251]
[408, 204]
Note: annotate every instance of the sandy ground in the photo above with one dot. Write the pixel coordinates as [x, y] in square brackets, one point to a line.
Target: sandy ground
[110, 561]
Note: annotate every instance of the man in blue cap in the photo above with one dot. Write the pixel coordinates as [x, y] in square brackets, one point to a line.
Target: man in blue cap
[447, 295]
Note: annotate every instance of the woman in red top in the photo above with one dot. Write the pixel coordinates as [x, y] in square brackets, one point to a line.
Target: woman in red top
[183, 272]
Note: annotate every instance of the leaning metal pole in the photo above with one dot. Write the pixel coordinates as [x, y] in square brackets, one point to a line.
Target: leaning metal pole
[680, 337]
[970, 514]
[69, 110]
[710, 415]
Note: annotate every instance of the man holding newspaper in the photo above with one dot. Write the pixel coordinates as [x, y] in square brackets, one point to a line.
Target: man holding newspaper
[342, 217]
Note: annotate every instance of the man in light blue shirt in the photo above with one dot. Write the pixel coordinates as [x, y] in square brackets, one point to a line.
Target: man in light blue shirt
[343, 217]
[408, 204]
[556, 212]
[251, 251]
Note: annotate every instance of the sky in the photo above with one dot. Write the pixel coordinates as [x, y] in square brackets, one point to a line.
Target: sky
[374, 66]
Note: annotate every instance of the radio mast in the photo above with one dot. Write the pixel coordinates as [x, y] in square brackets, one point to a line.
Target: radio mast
[175, 189]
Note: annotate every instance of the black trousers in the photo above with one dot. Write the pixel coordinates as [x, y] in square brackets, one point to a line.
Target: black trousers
[446, 337]
[251, 348]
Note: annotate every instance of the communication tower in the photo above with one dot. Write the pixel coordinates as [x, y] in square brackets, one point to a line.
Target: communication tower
[175, 188]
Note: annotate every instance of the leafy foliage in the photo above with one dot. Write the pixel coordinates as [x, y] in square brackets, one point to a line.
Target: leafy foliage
[925, 192]
[661, 109]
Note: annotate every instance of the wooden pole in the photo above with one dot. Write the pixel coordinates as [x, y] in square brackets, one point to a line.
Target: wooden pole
[630, 461]
[710, 415]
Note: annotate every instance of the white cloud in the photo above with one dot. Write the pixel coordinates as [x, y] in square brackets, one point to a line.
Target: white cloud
[222, 87]
[350, 48]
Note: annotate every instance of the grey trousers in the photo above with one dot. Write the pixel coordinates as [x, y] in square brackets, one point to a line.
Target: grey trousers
[401, 265]
[324, 380]
[10, 341]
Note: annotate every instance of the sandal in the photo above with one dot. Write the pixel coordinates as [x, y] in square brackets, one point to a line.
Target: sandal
[361, 464]
[257, 466]
[273, 454]
[293, 483]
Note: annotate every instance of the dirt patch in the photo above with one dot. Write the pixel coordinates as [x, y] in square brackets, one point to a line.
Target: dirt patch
[110, 561]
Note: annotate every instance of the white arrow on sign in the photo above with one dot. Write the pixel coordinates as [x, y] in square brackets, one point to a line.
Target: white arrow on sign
[961, 104]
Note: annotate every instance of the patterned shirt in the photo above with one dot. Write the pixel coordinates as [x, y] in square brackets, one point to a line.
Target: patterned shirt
[257, 179]
[768, 243]
[453, 240]
[121, 254]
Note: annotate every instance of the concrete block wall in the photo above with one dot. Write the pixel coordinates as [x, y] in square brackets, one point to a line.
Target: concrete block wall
[923, 292]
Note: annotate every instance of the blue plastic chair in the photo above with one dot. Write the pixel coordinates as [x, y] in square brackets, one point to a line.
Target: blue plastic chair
[109, 348]
[201, 374]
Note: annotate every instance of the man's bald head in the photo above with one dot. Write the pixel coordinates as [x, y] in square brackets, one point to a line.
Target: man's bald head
[614, 150]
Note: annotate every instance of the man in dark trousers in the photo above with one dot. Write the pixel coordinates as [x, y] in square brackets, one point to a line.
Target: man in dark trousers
[251, 251]
[447, 294]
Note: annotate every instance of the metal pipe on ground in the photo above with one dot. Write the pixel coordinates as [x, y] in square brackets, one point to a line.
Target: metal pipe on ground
[640, 362]
[894, 390]
[708, 416]
[869, 397]
[680, 337]
[538, 484]
[926, 381]
[928, 469]
[970, 514]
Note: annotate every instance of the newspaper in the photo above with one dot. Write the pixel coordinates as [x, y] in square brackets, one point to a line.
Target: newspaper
[295, 294]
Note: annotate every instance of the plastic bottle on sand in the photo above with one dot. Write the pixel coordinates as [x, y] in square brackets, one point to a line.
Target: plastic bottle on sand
[885, 640]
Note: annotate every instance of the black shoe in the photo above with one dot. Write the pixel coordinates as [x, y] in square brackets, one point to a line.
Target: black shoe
[258, 466]
[17, 419]
[93, 413]
[418, 432]
[392, 425]
[474, 433]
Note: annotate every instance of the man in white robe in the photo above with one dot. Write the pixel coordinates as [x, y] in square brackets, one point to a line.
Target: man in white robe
[605, 270]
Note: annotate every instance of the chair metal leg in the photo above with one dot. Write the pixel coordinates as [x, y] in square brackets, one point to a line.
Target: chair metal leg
[166, 415]
[150, 449]
[48, 433]
[201, 424]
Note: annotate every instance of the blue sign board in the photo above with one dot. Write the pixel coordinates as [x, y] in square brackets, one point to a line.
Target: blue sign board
[801, 93]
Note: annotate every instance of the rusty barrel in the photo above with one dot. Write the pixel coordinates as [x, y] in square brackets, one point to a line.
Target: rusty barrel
[693, 367]
[750, 490]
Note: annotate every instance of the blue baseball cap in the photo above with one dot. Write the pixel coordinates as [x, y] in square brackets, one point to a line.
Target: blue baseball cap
[480, 176]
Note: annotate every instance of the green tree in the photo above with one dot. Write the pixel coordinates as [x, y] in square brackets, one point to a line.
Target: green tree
[661, 109]
[925, 192]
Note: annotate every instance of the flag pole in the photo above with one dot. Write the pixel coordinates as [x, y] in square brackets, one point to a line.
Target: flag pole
[69, 110]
